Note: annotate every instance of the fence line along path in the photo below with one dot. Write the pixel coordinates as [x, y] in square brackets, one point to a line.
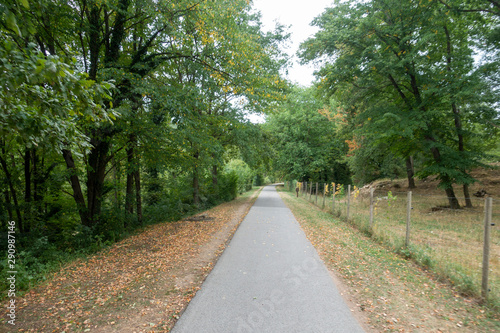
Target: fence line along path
[269, 279]
[459, 244]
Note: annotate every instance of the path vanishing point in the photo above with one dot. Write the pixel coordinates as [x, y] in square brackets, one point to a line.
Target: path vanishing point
[269, 279]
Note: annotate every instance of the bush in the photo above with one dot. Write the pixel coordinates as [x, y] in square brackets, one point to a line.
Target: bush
[243, 172]
[228, 186]
[32, 264]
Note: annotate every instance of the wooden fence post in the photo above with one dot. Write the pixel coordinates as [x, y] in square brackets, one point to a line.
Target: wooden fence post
[348, 201]
[316, 201]
[371, 207]
[324, 196]
[334, 189]
[408, 219]
[310, 191]
[488, 209]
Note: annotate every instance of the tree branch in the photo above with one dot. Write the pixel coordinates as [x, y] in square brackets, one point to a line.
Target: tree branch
[398, 89]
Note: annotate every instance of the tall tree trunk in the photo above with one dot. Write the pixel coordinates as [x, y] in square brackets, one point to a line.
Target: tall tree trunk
[129, 195]
[36, 176]
[12, 189]
[468, 201]
[27, 176]
[215, 173]
[118, 35]
[115, 183]
[450, 193]
[94, 37]
[461, 148]
[452, 199]
[196, 183]
[77, 189]
[196, 188]
[8, 204]
[133, 180]
[96, 173]
[457, 118]
[410, 172]
[138, 197]
[27, 186]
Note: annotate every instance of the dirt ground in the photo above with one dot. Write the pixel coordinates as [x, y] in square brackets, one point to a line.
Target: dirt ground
[487, 180]
[141, 284]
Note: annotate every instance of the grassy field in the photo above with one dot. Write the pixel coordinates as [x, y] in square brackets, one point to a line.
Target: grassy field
[393, 293]
[448, 242]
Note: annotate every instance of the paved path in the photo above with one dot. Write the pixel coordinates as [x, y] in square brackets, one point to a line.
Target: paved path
[269, 279]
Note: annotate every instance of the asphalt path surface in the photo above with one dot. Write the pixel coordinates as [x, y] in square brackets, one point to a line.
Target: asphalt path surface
[269, 279]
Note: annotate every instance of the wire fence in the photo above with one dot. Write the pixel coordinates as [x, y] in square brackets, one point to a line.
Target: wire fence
[449, 242]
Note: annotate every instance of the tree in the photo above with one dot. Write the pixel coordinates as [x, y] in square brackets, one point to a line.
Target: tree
[42, 97]
[394, 53]
[199, 64]
[305, 141]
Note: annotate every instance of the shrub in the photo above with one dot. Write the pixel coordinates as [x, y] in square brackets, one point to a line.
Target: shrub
[228, 186]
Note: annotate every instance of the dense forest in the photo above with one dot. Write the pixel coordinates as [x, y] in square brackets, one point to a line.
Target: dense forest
[116, 114]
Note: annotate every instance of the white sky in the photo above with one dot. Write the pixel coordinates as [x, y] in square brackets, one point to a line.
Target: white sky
[298, 14]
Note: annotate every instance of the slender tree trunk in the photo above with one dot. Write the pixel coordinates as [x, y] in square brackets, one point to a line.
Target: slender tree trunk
[116, 182]
[138, 198]
[77, 189]
[468, 201]
[215, 179]
[452, 199]
[196, 188]
[36, 177]
[410, 171]
[129, 208]
[8, 204]
[450, 193]
[27, 186]
[27, 176]
[12, 191]
[196, 184]
[461, 148]
[457, 118]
